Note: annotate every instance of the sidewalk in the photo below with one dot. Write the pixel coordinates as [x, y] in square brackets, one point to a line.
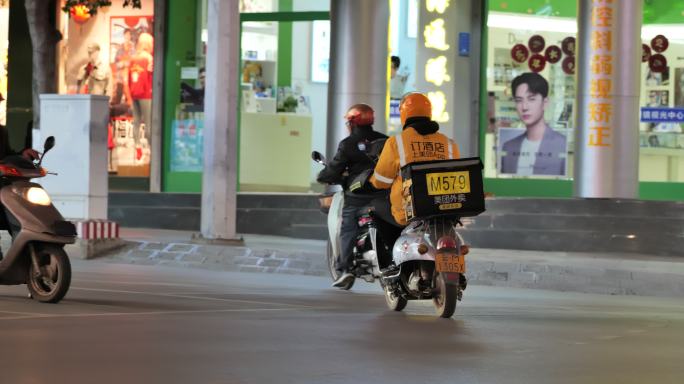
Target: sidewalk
[603, 273]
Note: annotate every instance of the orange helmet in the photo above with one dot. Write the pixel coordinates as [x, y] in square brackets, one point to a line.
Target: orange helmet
[360, 114]
[414, 104]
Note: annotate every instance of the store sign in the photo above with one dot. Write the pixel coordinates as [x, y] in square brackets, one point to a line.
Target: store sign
[437, 67]
[662, 115]
[436, 71]
[435, 35]
[438, 6]
[439, 104]
[600, 105]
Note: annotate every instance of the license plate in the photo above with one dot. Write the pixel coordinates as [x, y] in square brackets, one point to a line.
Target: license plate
[445, 183]
[450, 262]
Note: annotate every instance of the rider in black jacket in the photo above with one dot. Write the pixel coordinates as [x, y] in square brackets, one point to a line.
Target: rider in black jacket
[352, 159]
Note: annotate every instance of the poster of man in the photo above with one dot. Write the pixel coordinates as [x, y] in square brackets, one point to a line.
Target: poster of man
[537, 149]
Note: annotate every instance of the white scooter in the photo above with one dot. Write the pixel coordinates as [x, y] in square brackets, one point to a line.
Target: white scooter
[428, 259]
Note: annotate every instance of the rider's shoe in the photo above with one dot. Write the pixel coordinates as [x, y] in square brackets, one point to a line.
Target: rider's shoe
[343, 280]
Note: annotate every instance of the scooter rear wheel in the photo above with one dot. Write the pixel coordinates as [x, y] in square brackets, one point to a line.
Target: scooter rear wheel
[50, 283]
[446, 297]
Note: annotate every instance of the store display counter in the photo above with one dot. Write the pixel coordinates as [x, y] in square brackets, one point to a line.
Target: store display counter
[275, 152]
[661, 164]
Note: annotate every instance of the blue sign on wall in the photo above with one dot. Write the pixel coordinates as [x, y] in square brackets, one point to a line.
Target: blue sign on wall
[394, 108]
[464, 44]
[662, 115]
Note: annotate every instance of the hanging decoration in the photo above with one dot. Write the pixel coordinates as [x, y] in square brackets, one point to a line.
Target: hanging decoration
[537, 63]
[520, 53]
[660, 43]
[569, 45]
[645, 53]
[81, 6]
[536, 43]
[553, 54]
[657, 62]
[537, 57]
[82, 10]
[79, 13]
[568, 65]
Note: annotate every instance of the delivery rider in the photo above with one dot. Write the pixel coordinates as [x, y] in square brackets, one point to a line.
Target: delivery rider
[418, 141]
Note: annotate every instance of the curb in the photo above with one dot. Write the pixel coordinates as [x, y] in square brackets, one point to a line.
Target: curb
[612, 274]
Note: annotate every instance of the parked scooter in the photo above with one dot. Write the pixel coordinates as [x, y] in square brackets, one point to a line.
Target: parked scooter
[428, 259]
[39, 232]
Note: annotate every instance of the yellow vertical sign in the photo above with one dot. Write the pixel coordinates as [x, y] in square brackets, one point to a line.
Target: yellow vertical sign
[437, 68]
[600, 109]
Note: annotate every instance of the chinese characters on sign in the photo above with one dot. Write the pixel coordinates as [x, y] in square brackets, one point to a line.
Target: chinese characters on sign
[438, 6]
[436, 71]
[600, 108]
[662, 115]
[435, 35]
[438, 101]
[437, 68]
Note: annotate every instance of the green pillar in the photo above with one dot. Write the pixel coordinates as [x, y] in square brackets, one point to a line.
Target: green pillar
[20, 76]
[181, 19]
[284, 46]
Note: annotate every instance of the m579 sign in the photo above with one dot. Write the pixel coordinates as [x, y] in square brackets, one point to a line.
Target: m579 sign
[445, 183]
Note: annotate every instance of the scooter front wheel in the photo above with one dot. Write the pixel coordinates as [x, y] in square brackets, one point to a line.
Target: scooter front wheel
[394, 302]
[50, 281]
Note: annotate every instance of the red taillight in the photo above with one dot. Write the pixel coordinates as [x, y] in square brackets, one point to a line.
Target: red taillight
[6, 170]
[364, 220]
[446, 242]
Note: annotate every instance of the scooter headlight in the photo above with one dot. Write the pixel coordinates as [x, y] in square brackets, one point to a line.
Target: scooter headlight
[38, 196]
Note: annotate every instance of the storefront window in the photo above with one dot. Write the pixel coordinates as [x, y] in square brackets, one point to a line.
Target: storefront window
[268, 6]
[4, 39]
[284, 95]
[112, 53]
[531, 95]
[662, 104]
[258, 6]
[403, 40]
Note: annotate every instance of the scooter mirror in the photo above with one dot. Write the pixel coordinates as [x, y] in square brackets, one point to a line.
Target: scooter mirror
[49, 143]
[318, 157]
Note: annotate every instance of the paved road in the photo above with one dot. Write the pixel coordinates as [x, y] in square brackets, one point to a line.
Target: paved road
[142, 324]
